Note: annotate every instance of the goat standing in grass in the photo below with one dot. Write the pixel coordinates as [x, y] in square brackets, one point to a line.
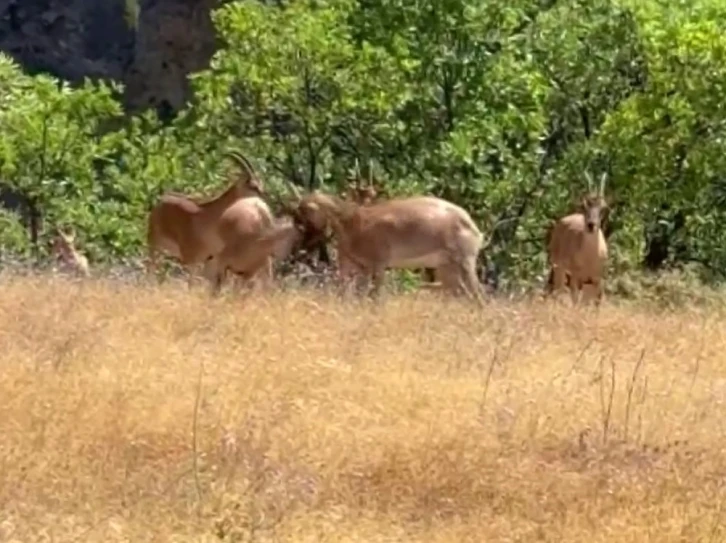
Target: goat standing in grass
[415, 232]
[362, 195]
[576, 247]
[193, 231]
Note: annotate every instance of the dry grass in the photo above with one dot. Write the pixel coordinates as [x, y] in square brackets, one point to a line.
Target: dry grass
[317, 420]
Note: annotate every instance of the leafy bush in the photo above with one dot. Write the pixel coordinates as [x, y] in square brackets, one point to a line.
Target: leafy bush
[501, 108]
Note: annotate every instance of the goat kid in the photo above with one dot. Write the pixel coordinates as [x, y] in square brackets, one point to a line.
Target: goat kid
[70, 259]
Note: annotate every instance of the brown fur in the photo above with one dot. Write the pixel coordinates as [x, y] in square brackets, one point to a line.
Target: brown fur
[361, 195]
[250, 256]
[192, 230]
[577, 250]
[401, 233]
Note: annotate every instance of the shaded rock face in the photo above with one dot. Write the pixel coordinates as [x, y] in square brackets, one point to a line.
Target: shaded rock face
[174, 38]
[73, 39]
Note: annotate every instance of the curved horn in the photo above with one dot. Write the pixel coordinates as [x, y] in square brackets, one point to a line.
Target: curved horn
[241, 160]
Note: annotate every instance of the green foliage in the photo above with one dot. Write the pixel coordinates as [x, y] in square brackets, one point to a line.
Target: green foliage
[670, 289]
[51, 144]
[667, 141]
[501, 108]
[13, 240]
[294, 81]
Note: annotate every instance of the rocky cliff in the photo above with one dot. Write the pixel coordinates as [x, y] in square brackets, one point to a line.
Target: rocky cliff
[149, 45]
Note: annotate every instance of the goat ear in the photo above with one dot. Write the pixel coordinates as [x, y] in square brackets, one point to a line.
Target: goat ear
[63, 234]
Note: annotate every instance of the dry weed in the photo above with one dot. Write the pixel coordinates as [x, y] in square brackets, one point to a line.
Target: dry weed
[132, 413]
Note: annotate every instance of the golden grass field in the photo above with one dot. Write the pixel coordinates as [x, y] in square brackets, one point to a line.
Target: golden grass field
[133, 413]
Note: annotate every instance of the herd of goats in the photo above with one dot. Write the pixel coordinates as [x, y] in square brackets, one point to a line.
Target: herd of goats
[236, 232]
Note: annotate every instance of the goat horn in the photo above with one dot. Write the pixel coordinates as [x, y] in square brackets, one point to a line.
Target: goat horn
[241, 160]
[357, 173]
[67, 236]
[602, 183]
[589, 180]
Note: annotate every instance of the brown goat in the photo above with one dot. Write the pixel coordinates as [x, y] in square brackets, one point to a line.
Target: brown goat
[250, 255]
[413, 232]
[366, 195]
[193, 231]
[361, 195]
[576, 247]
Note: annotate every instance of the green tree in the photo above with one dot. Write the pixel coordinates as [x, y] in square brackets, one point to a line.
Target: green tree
[293, 80]
[52, 144]
[504, 109]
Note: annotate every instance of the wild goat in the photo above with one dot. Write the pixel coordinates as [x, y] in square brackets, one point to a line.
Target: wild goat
[413, 232]
[314, 237]
[361, 195]
[250, 255]
[193, 231]
[576, 247]
[64, 250]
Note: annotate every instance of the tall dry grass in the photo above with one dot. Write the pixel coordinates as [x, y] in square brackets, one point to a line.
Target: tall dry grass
[132, 413]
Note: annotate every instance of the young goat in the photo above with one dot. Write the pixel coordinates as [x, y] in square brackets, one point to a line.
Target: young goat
[70, 259]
